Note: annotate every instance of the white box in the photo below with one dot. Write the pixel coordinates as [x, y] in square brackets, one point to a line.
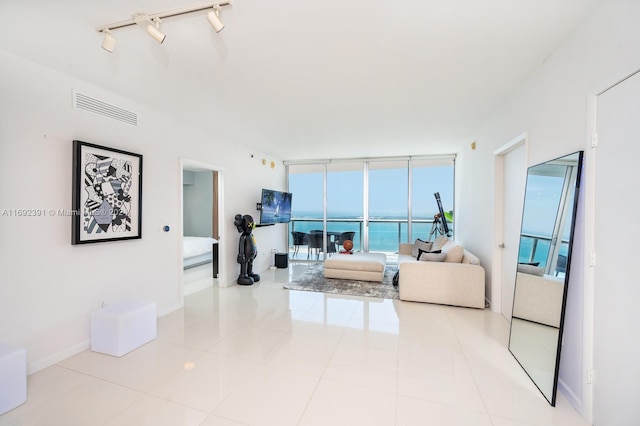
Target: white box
[122, 327]
[13, 377]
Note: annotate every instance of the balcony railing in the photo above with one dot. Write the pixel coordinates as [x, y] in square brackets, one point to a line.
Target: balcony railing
[385, 235]
[535, 249]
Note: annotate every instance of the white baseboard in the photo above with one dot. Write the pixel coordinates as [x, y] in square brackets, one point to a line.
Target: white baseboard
[56, 358]
[195, 286]
[573, 399]
[80, 347]
[169, 309]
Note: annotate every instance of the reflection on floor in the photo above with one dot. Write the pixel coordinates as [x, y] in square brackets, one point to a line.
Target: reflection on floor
[198, 278]
[535, 347]
[262, 355]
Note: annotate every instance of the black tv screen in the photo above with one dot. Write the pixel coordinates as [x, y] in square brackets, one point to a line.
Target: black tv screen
[276, 207]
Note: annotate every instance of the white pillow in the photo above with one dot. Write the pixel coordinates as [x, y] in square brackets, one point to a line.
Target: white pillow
[432, 257]
[472, 260]
[420, 245]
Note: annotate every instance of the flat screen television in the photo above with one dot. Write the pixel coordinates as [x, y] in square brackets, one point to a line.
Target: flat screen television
[276, 207]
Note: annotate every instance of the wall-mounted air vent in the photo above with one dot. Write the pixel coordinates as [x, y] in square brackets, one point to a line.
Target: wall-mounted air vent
[87, 103]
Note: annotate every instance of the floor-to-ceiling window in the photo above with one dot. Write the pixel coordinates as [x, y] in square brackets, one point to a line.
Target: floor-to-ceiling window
[378, 203]
[306, 183]
[388, 205]
[345, 195]
[428, 177]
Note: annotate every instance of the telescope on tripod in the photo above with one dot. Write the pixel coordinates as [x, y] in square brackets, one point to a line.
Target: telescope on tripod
[439, 225]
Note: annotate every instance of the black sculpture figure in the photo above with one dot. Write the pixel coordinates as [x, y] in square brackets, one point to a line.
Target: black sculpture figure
[247, 250]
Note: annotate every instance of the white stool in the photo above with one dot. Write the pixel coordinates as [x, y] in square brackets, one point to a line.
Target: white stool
[123, 327]
[13, 377]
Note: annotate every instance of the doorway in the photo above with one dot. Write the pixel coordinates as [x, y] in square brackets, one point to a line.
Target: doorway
[511, 172]
[616, 231]
[201, 239]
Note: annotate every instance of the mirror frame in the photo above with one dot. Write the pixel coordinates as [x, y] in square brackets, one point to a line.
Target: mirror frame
[565, 282]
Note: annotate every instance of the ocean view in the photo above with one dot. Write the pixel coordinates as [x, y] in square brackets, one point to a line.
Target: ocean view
[542, 251]
[384, 233]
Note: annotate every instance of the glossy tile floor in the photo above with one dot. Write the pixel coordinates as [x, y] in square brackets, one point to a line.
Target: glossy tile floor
[262, 355]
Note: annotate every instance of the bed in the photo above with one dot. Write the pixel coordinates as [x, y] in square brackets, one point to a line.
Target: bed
[199, 251]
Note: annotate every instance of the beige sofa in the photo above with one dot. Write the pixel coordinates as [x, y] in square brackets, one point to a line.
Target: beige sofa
[539, 298]
[457, 280]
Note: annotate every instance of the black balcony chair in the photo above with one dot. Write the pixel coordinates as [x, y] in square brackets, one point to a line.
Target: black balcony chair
[315, 242]
[561, 265]
[346, 236]
[299, 239]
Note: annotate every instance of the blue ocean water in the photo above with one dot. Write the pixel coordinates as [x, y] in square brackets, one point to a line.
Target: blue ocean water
[542, 251]
[384, 236]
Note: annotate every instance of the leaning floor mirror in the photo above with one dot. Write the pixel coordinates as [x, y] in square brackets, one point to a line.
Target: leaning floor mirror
[544, 257]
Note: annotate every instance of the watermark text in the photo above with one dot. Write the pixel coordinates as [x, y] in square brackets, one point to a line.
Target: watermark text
[38, 212]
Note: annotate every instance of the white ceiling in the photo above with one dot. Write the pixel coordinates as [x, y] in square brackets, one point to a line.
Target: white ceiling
[301, 79]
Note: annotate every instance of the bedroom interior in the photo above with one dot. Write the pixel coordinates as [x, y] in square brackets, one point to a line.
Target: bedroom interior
[200, 226]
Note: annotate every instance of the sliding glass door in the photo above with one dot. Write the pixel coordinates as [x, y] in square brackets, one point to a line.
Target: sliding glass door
[429, 177]
[306, 183]
[377, 203]
[345, 195]
[388, 205]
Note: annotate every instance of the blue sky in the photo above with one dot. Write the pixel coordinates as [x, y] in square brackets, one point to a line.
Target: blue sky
[388, 192]
[388, 195]
[542, 200]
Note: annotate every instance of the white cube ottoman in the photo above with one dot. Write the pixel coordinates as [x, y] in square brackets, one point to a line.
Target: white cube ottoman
[122, 327]
[13, 377]
[356, 266]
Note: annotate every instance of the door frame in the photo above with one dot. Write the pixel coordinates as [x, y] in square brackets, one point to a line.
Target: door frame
[184, 162]
[498, 206]
[590, 159]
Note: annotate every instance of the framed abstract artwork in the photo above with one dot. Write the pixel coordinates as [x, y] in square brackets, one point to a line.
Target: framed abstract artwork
[107, 194]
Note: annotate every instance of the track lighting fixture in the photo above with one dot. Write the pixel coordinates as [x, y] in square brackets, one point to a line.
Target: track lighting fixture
[153, 30]
[151, 23]
[152, 27]
[214, 19]
[108, 42]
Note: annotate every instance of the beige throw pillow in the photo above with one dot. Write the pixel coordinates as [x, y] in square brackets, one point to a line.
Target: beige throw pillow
[420, 245]
[454, 251]
[439, 242]
[530, 269]
[432, 257]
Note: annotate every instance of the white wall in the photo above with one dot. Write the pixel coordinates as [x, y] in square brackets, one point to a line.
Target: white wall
[49, 287]
[554, 107]
[197, 204]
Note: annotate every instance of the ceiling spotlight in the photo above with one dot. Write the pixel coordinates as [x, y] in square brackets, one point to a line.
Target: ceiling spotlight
[214, 19]
[151, 22]
[109, 42]
[153, 29]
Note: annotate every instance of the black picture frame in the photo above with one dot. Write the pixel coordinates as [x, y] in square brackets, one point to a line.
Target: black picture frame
[106, 194]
